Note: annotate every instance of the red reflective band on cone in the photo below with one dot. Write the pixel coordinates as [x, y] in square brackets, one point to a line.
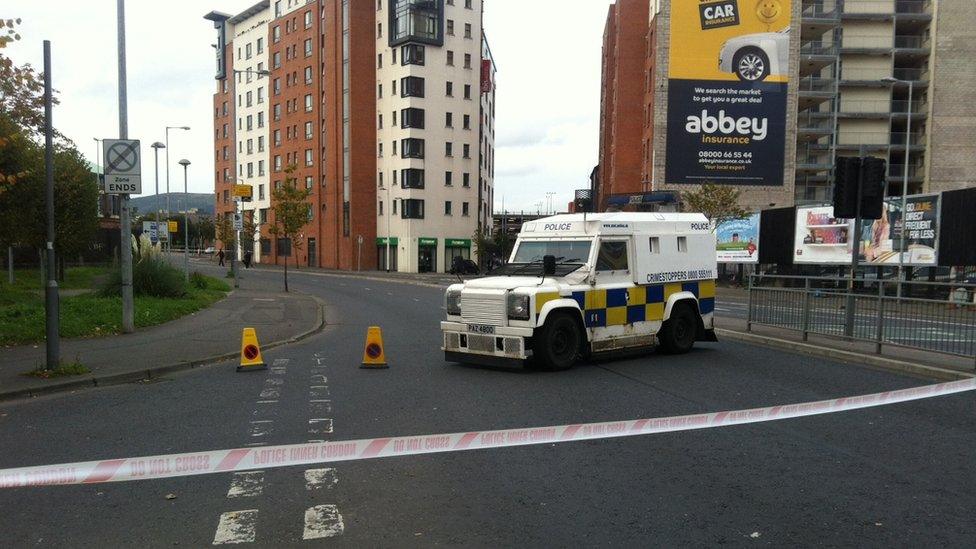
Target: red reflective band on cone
[242, 459]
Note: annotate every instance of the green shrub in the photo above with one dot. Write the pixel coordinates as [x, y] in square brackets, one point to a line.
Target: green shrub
[151, 276]
[198, 280]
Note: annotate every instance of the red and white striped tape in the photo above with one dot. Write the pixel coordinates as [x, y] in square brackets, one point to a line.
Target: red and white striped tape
[242, 459]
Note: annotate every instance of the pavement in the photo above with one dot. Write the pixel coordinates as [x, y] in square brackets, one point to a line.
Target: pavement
[206, 336]
[898, 475]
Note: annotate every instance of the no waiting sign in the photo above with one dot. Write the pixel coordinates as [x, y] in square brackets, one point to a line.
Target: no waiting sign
[123, 166]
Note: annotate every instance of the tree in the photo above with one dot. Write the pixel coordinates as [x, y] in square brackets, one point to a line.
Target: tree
[224, 229]
[719, 203]
[289, 206]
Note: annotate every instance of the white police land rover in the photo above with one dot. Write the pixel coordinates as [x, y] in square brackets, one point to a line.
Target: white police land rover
[579, 284]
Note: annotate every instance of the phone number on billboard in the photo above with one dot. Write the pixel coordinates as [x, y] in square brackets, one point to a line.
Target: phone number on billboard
[727, 154]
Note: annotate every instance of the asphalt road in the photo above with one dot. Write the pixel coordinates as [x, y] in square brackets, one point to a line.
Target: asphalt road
[895, 476]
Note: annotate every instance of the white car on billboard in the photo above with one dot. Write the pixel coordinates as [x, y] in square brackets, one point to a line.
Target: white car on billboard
[754, 57]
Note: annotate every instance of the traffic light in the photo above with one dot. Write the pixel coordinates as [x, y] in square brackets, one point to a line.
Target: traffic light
[846, 178]
[873, 174]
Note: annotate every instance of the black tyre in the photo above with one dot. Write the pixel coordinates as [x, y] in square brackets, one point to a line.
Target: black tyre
[557, 344]
[751, 65]
[677, 335]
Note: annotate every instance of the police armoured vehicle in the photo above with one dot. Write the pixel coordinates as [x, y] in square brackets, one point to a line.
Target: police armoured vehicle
[588, 283]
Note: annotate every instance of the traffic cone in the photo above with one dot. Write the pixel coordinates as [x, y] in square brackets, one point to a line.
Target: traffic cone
[373, 355]
[250, 352]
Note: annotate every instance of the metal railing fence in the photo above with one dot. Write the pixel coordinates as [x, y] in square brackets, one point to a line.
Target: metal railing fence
[932, 316]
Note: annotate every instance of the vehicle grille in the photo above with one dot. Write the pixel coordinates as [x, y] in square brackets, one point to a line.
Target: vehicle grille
[483, 309]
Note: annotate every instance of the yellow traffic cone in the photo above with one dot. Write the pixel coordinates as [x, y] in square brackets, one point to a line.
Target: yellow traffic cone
[250, 352]
[373, 355]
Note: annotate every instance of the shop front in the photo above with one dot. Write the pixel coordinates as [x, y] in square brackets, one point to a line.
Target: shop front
[426, 255]
[381, 251]
[455, 247]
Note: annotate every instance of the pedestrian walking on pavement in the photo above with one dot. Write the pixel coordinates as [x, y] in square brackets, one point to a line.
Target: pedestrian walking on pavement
[247, 259]
[220, 257]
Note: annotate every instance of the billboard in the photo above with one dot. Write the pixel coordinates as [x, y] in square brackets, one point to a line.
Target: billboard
[737, 240]
[727, 87]
[820, 238]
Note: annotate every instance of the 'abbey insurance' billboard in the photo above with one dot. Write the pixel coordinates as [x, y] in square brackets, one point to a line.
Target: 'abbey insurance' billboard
[727, 87]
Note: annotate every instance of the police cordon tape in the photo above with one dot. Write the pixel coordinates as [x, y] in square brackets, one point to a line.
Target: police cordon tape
[242, 459]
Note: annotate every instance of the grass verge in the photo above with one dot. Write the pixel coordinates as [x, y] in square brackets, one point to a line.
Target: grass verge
[89, 315]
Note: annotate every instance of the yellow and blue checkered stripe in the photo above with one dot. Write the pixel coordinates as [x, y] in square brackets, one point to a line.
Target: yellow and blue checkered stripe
[611, 307]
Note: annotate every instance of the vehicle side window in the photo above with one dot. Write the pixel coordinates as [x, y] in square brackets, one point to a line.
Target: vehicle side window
[612, 256]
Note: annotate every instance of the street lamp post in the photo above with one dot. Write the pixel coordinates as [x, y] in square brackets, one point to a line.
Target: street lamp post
[166, 146]
[186, 222]
[156, 146]
[904, 186]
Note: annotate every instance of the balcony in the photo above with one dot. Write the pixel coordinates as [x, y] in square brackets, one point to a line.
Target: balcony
[817, 18]
[880, 140]
[814, 56]
[881, 10]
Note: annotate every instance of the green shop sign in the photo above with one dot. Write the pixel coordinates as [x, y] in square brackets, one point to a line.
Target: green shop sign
[457, 242]
[382, 241]
[423, 241]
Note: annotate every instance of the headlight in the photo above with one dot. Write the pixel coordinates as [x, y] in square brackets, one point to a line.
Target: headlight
[518, 307]
[452, 302]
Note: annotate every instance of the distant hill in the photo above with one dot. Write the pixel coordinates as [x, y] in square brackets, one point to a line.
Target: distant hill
[202, 202]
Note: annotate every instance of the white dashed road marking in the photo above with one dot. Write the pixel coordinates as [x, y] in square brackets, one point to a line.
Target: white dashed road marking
[319, 426]
[318, 479]
[322, 521]
[247, 484]
[271, 393]
[239, 526]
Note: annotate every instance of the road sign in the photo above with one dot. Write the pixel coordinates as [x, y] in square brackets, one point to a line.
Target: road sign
[173, 226]
[123, 166]
[155, 232]
[238, 222]
[244, 192]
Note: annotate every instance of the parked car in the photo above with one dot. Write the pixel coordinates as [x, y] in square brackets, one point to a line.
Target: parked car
[755, 57]
[209, 250]
[460, 265]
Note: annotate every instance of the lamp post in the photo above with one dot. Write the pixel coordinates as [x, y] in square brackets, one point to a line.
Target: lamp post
[166, 146]
[186, 221]
[904, 188]
[549, 195]
[156, 146]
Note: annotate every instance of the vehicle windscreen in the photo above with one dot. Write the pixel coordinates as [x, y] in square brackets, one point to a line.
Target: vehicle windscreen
[565, 251]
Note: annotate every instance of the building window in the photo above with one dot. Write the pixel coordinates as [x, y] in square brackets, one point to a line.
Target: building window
[393, 53]
[308, 102]
[448, 149]
[412, 118]
[250, 146]
[277, 163]
[448, 176]
[412, 147]
[467, 60]
[412, 86]
[260, 167]
[394, 148]
[247, 51]
[276, 111]
[467, 4]
[410, 54]
[467, 30]
[412, 208]
[276, 34]
[464, 209]
[379, 150]
[277, 11]
[308, 182]
[467, 91]
[250, 122]
[261, 95]
[466, 151]
[250, 170]
[450, 58]
[308, 130]
[260, 119]
[379, 179]
[394, 119]
[379, 30]
[449, 89]
[261, 192]
[260, 45]
[448, 120]
[308, 47]
[450, 27]
[277, 137]
[447, 207]
[379, 60]
[380, 209]
[379, 91]
[467, 122]
[394, 204]
[308, 75]
[412, 178]
[308, 157]
[276, 86]
[466, 180]
[393, 85]
[308, 19]
[379, 121]
[260, 143]
[416, 21]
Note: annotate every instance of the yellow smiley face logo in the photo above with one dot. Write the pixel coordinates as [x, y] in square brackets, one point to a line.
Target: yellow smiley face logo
[768, 10]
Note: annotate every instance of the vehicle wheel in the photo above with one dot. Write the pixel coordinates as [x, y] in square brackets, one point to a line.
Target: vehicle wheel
[677, 335]
[558, 343]
[751, 65]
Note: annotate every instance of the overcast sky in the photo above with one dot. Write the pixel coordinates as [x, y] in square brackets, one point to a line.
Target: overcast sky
[547, 115]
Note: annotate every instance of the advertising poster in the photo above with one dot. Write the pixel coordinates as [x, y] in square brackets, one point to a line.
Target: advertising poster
[737, 240]
[727, 88]
[819, 238]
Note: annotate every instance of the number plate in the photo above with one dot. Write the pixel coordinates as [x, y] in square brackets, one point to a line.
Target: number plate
[481, 328]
